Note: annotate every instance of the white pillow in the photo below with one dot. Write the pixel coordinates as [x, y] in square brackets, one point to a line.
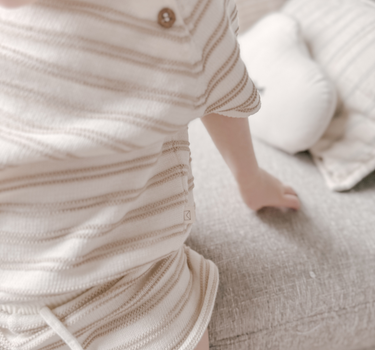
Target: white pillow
[298, 101]
[341, 37]
[250, 11]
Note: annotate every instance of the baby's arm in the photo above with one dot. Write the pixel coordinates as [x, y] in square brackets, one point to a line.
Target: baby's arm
[257, 187]
[15, 3]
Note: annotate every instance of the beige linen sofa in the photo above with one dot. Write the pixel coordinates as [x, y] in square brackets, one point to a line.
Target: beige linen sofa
[288, 281]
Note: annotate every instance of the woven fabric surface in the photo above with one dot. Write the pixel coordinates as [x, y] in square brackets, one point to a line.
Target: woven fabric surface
[288, 281]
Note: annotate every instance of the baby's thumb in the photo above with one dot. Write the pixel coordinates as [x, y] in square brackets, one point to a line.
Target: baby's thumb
[291, 201]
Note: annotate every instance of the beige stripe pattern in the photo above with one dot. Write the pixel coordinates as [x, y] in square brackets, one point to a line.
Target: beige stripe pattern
[95, 167]
[176, 294]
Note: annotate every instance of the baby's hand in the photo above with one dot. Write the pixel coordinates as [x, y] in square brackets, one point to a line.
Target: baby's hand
[258, 188]
[264, 190]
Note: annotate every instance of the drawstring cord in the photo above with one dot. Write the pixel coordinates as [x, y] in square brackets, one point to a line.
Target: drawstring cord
[59, 328]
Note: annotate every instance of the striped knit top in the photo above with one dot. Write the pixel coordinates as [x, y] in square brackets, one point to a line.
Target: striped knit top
[95, 99]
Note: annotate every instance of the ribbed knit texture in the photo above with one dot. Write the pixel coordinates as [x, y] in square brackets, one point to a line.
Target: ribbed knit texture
[95, 99]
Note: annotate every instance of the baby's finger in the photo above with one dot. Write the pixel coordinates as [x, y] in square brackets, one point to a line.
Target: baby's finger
[289, 190]
[291, 201]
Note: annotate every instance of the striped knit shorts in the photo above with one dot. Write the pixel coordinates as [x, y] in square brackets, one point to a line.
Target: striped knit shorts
[164, 305]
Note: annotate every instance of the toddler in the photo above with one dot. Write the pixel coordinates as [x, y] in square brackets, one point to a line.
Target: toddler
[95, 181]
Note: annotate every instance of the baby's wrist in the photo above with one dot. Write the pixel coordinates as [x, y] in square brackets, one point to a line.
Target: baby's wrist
[248, 178]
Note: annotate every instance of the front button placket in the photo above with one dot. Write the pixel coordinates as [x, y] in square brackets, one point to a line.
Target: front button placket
[166, 17]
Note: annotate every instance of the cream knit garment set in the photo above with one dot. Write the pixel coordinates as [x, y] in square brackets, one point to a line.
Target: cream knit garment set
[95, 179]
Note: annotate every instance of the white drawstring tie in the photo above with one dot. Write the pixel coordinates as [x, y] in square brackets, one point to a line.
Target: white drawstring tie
[59, 328]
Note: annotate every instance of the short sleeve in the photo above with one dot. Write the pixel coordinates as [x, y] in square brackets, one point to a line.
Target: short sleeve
[226, 86]
[233, 16]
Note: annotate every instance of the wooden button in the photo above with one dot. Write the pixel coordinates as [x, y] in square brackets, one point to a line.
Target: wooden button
[166, 17]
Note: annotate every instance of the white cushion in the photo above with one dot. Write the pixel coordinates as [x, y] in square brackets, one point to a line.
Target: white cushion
[341, 37]
[298, 101]
[250, 11]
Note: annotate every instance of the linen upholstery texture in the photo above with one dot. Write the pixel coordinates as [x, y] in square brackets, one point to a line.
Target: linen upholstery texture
[341, 38]
[288, 281]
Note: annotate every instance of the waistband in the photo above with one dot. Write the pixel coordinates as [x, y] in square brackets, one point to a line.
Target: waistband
[164, 305]
[31, 305]
[24, 312]
[43, 306]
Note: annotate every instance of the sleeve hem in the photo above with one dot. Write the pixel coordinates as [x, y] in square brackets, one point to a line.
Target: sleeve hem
[235, 113]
